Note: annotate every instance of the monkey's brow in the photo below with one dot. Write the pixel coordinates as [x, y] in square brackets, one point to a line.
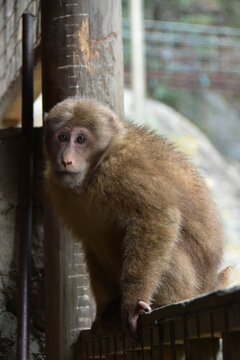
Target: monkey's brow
[64, 128]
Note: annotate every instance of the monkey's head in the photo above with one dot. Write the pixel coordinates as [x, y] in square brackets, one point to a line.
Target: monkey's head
[77, 136]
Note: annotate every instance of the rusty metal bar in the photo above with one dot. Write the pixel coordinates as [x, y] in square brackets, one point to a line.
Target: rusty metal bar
[26, 188]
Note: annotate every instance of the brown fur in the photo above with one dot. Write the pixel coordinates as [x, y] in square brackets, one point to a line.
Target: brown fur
[148, 224]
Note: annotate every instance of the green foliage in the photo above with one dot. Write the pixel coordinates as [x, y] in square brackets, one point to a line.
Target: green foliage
[202, 19]
[183, 3]
[165, 95]
[125, 8]
[210, 12]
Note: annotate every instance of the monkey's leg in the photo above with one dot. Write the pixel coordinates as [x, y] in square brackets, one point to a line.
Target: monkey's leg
[106, 296]
[148, 246]
[180, 279]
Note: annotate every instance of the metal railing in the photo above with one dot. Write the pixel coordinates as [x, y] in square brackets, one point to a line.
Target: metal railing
[190, 47]
[203, 55]
[207, 327]
[188, 55]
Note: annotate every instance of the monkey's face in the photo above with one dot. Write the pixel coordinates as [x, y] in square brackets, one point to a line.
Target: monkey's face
[72, 154]
[77, 135]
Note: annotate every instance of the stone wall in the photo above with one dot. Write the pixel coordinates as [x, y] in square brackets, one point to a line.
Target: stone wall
[10, 160]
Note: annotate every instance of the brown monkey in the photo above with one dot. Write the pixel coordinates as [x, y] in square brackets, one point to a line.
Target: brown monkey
[149, 228]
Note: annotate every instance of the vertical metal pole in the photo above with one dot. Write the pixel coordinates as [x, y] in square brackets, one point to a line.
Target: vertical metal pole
[26, 188]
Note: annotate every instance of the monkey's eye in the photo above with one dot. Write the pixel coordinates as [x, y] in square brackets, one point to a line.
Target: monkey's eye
[62, 138]
[81, 139]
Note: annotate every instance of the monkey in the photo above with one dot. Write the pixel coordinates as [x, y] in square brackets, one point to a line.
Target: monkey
[150, 230]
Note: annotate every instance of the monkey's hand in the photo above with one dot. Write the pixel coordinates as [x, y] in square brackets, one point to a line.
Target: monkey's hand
[130, 318]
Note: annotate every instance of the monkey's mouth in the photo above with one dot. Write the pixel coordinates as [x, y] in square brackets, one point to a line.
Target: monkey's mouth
[70, 179]
[65, 172]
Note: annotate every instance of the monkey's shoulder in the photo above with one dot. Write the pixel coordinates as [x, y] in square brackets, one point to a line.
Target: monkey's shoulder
[127, 182]
[146, 171]
[150, 155]
[142, 144]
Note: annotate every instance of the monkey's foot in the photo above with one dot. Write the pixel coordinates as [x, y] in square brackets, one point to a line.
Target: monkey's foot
[130, 318]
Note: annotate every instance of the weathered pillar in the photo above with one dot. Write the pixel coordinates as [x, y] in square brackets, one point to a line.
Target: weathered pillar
[82, 55]
[82, 51]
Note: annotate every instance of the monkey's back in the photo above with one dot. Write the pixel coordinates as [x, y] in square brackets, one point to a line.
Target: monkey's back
[152, 175]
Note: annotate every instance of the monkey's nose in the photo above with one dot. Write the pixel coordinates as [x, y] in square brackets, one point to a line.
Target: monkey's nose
[66, 163]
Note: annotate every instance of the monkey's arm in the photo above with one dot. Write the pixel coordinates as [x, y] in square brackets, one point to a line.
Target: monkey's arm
[148, 246]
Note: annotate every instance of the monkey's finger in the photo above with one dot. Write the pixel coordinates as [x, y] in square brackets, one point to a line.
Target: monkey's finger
[143, 307]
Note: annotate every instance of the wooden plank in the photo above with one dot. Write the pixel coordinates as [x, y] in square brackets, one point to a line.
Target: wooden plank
[214, 300]
[191, 328]
[231, 346]
[13, 116]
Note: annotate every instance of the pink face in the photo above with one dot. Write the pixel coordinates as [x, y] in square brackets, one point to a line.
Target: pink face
[72, 150]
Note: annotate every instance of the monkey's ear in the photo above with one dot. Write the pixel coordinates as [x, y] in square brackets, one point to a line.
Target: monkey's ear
[115, 122]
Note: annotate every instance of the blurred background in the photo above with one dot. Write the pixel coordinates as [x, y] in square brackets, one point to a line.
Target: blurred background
[185, 56]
